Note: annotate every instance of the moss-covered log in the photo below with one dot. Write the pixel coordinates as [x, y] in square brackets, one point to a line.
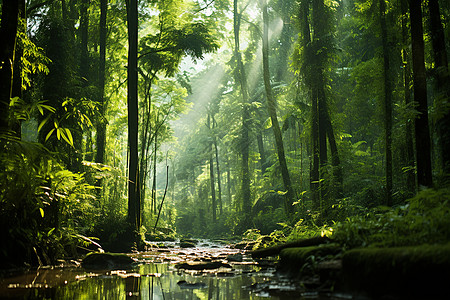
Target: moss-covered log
[407, 272]
[272, 251]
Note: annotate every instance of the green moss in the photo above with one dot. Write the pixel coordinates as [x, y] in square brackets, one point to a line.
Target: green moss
[405, 271]
[295, 260]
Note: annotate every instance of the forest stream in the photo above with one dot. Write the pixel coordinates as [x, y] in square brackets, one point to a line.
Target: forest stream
[211, 270]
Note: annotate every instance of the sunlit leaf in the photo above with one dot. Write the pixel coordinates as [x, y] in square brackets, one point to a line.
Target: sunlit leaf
[49, 134]
[42, 211]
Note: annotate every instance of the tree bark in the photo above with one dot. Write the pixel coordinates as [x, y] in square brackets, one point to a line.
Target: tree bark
[8, 33]
[101, 125]
[132, 100]
[84, 52]
[314, 160]
[242, 80]
[409, 140]
[421, 127]
[211, 173]
[442, 80]
[17, 82]
[219, 185]
[271, 106]
[387, 103]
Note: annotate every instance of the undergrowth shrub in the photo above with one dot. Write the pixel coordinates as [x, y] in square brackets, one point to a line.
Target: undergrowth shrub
[43, 207]
[424, 219]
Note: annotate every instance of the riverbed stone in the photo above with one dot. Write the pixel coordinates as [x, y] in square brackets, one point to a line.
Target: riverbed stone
[107, 261]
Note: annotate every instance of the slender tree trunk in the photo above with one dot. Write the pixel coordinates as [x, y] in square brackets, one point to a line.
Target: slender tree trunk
[211, 174]
[228, 181]
[409, 140]
[84, 53]
[262, 153]
[318, 86]
[387, 103]
[314, 160]
[442, 82]
[154, 169]
[101, 125]
[132, 101]
[335, 160]
[17, 82]
[8, 33]
[271, 106]
[422, 132]
[242, 80]
[219, 185]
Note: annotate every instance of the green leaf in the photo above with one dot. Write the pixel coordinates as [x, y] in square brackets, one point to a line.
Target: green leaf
[42, 211]
[43, 123]
[281, 193]
[49, 134]
[268, 123]
[69, 136]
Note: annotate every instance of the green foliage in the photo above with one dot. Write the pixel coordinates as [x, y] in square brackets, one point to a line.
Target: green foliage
[424, 220]
[43, 206]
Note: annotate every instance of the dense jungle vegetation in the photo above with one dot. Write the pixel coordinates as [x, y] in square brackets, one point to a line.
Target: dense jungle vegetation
[269, 120]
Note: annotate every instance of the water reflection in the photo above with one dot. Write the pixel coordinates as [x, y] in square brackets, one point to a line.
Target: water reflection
[146, 281]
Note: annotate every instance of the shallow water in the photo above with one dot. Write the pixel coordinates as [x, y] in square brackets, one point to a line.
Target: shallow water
[155, 276]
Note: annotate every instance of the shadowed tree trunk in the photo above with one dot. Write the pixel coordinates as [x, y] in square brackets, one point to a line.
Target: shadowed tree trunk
[242, 80]
[101, 125]
[422, 133]
[387, 103]
[132, 101]
[442, 81]
[314, 161]
[271, 106]
[409, 140]
[219, 184]
[8, 33]
[211, 172]
[17, 82]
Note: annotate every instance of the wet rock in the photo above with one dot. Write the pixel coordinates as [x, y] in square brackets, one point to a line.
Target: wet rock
[238, 257]
[107, 261]
[187, 244]
[244, 245]
[183, 284]
[203, 266]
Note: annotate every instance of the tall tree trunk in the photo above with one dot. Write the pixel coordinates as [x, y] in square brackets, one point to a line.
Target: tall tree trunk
[154, 168]
[211, 173]
[17, 82]
[101, 125]
[409, 140]
[228, 181]
[314, 161]
[8, 33]
[387, 103]
[132, 101]
[242, 80]
[318, 84]
[219, 185]
[442, 81]
[84, 53]
[271, 106]
[262, 153]
[335, 160]
[422, 133]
